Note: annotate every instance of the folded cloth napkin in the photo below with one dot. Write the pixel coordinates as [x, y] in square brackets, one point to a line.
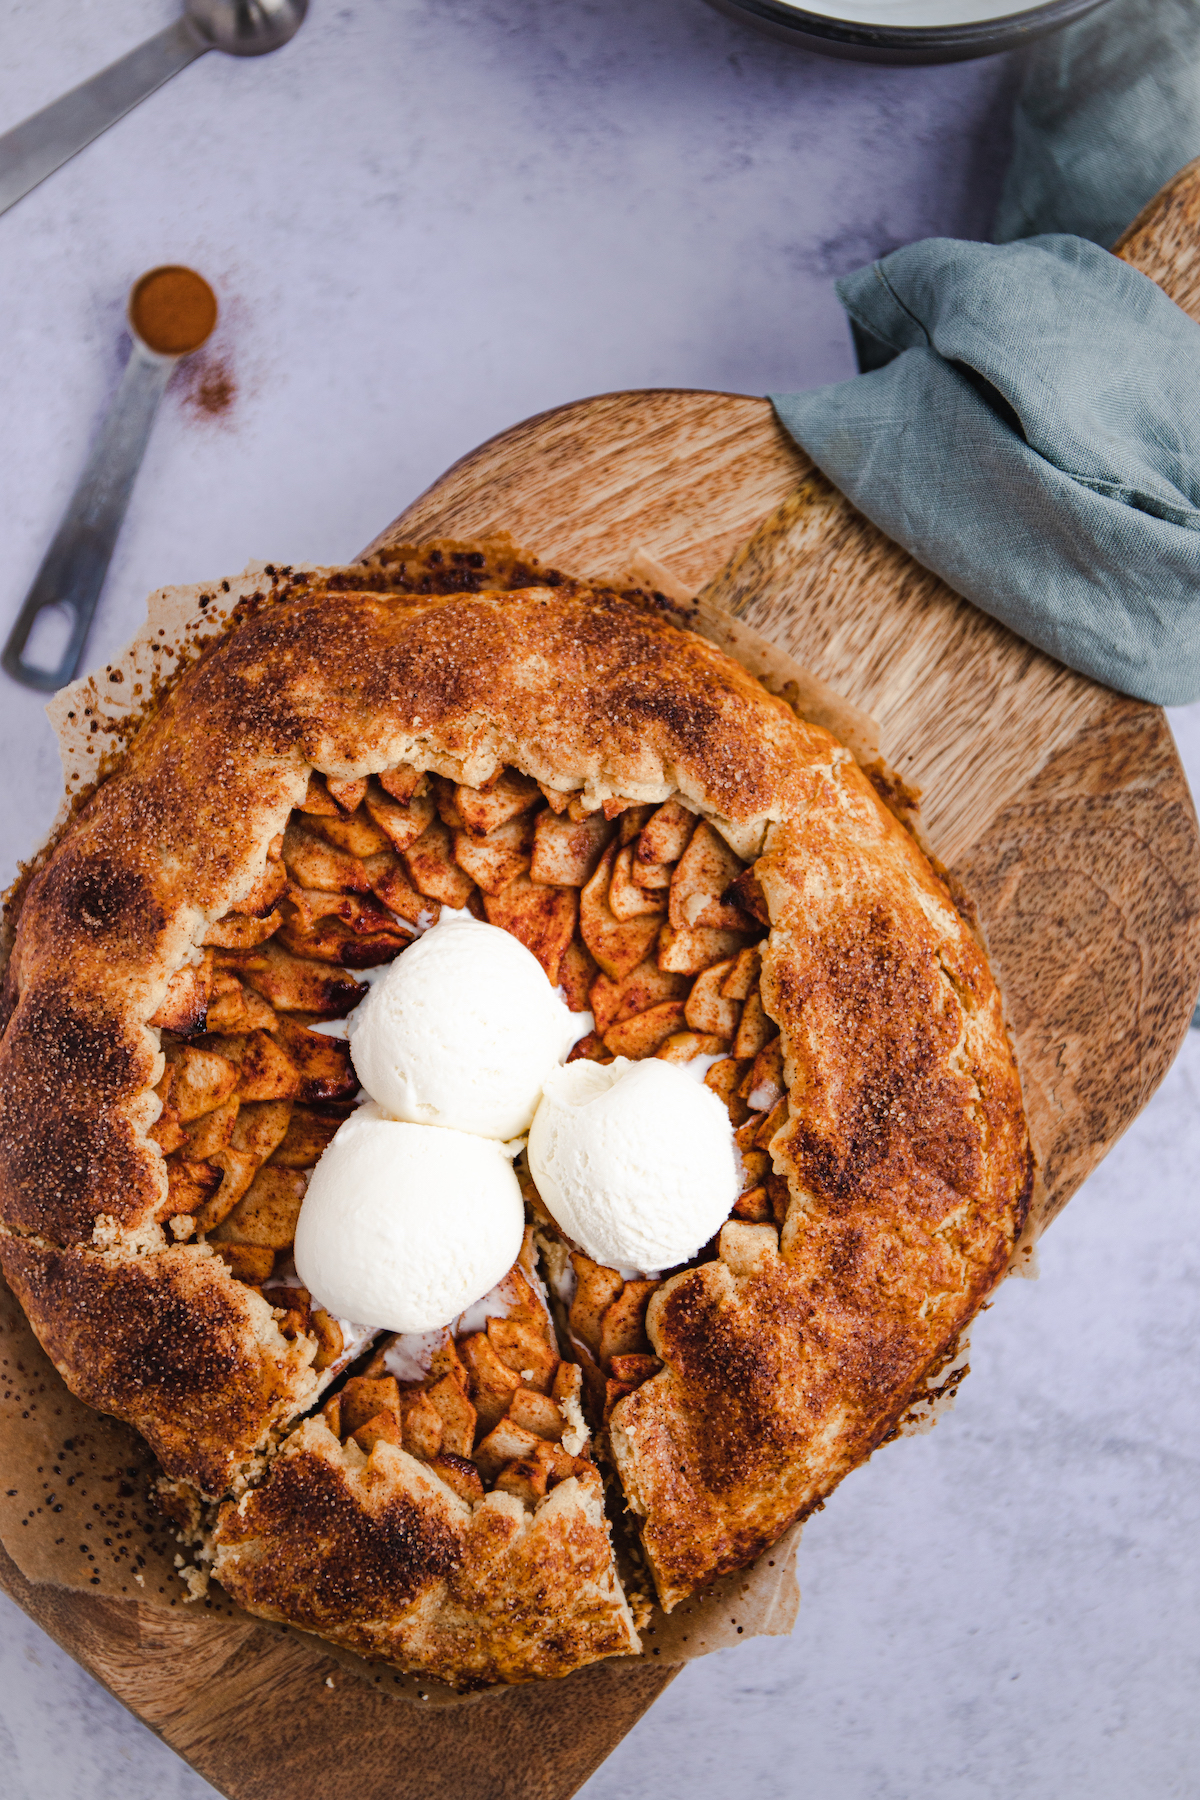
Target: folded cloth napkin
[1034, 433]
[1107, 112]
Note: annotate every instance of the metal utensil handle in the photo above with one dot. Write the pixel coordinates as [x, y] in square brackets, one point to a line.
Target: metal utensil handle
[42, 143]
[73, 568]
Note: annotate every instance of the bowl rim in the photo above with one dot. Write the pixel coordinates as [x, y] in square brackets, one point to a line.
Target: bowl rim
[978, 37]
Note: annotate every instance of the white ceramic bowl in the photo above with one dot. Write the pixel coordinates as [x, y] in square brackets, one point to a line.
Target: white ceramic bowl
[907, 31]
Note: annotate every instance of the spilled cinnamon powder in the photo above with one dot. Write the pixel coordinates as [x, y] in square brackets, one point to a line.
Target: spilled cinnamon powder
[208, 387]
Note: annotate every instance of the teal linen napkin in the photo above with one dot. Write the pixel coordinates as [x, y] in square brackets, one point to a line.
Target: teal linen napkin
[1034, 435]
[1108, 111]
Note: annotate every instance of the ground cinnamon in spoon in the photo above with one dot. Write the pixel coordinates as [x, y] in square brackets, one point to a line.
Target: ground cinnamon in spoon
[172, 310]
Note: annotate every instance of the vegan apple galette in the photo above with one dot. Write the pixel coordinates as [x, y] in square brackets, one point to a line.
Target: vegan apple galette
[478, 1068]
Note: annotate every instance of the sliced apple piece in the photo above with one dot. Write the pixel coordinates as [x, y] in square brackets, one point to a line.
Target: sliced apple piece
[459, 1475]
[596, 1287]
[189, 1186]
[482, 810]
[184, 1006]
[493, 1383]
[446, 1361]
[267, 1212]
[167, 1130]
[527, 1480]
[755, 1030]
[360, 912]
[665, 835]
[390, 883]
[557, 802]
[576, 973]
[328, 1333]
[625, 898]
[645, 986]
[331, 940]
[449, 1398]
[542, 918]
[235, 1008]
[402, 822]
[505, 1442]
[623, 1328]
[262, 1126]
[743, 976]
[295, 984]
[433, 870]
[696, 949]
[645, 1033]
[322, 1063]
[537, 1413]
[202, 1081]
[308, 1134]
[422, 1423]
[495, 860]
[357, 835]
[566, 851]
[618, 945]
[704, 871]
[763, 1087]
[364, 1396]
[313, 863]
[747, 891]
[686, 1046]
[251, 1263]
[725, 1078]
[403, 782]
[521, 1345]
[269, 889]
[654, 877]
[632, 821]
[775, 1121]
[242, 931]
[635, 1368]
[754, 1206]
[211, 1131]
[348, 794]
[238, 1169]
[756, 1166]
[317, 799]
[707, 1009]
[445, 796]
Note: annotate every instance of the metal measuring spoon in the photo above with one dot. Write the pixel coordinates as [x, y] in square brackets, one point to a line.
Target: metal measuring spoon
[73, 568]
[42, 143]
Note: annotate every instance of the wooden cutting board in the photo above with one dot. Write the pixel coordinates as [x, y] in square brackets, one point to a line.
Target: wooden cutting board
[1061, 806]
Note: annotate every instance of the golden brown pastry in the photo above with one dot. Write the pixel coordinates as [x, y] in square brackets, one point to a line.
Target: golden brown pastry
[701, 869]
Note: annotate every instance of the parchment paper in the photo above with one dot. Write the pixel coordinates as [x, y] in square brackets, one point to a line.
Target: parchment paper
[75, 1505]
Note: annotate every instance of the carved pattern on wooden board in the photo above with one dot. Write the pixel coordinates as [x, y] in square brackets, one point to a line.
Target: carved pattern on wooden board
[1084, 868]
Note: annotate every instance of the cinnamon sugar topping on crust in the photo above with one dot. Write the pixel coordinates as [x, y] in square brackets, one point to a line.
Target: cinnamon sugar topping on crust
[567, 761]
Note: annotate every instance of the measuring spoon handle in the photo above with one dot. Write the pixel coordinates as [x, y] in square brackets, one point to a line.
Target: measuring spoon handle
[73, 568]
[40, 144]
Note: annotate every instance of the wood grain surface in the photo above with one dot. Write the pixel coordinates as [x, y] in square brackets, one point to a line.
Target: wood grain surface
[268, 1717]
[1063, 808]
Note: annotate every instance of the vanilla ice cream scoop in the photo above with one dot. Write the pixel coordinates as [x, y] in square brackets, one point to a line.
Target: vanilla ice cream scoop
[462, 1031]
[404, 1226]
[635, 1160]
